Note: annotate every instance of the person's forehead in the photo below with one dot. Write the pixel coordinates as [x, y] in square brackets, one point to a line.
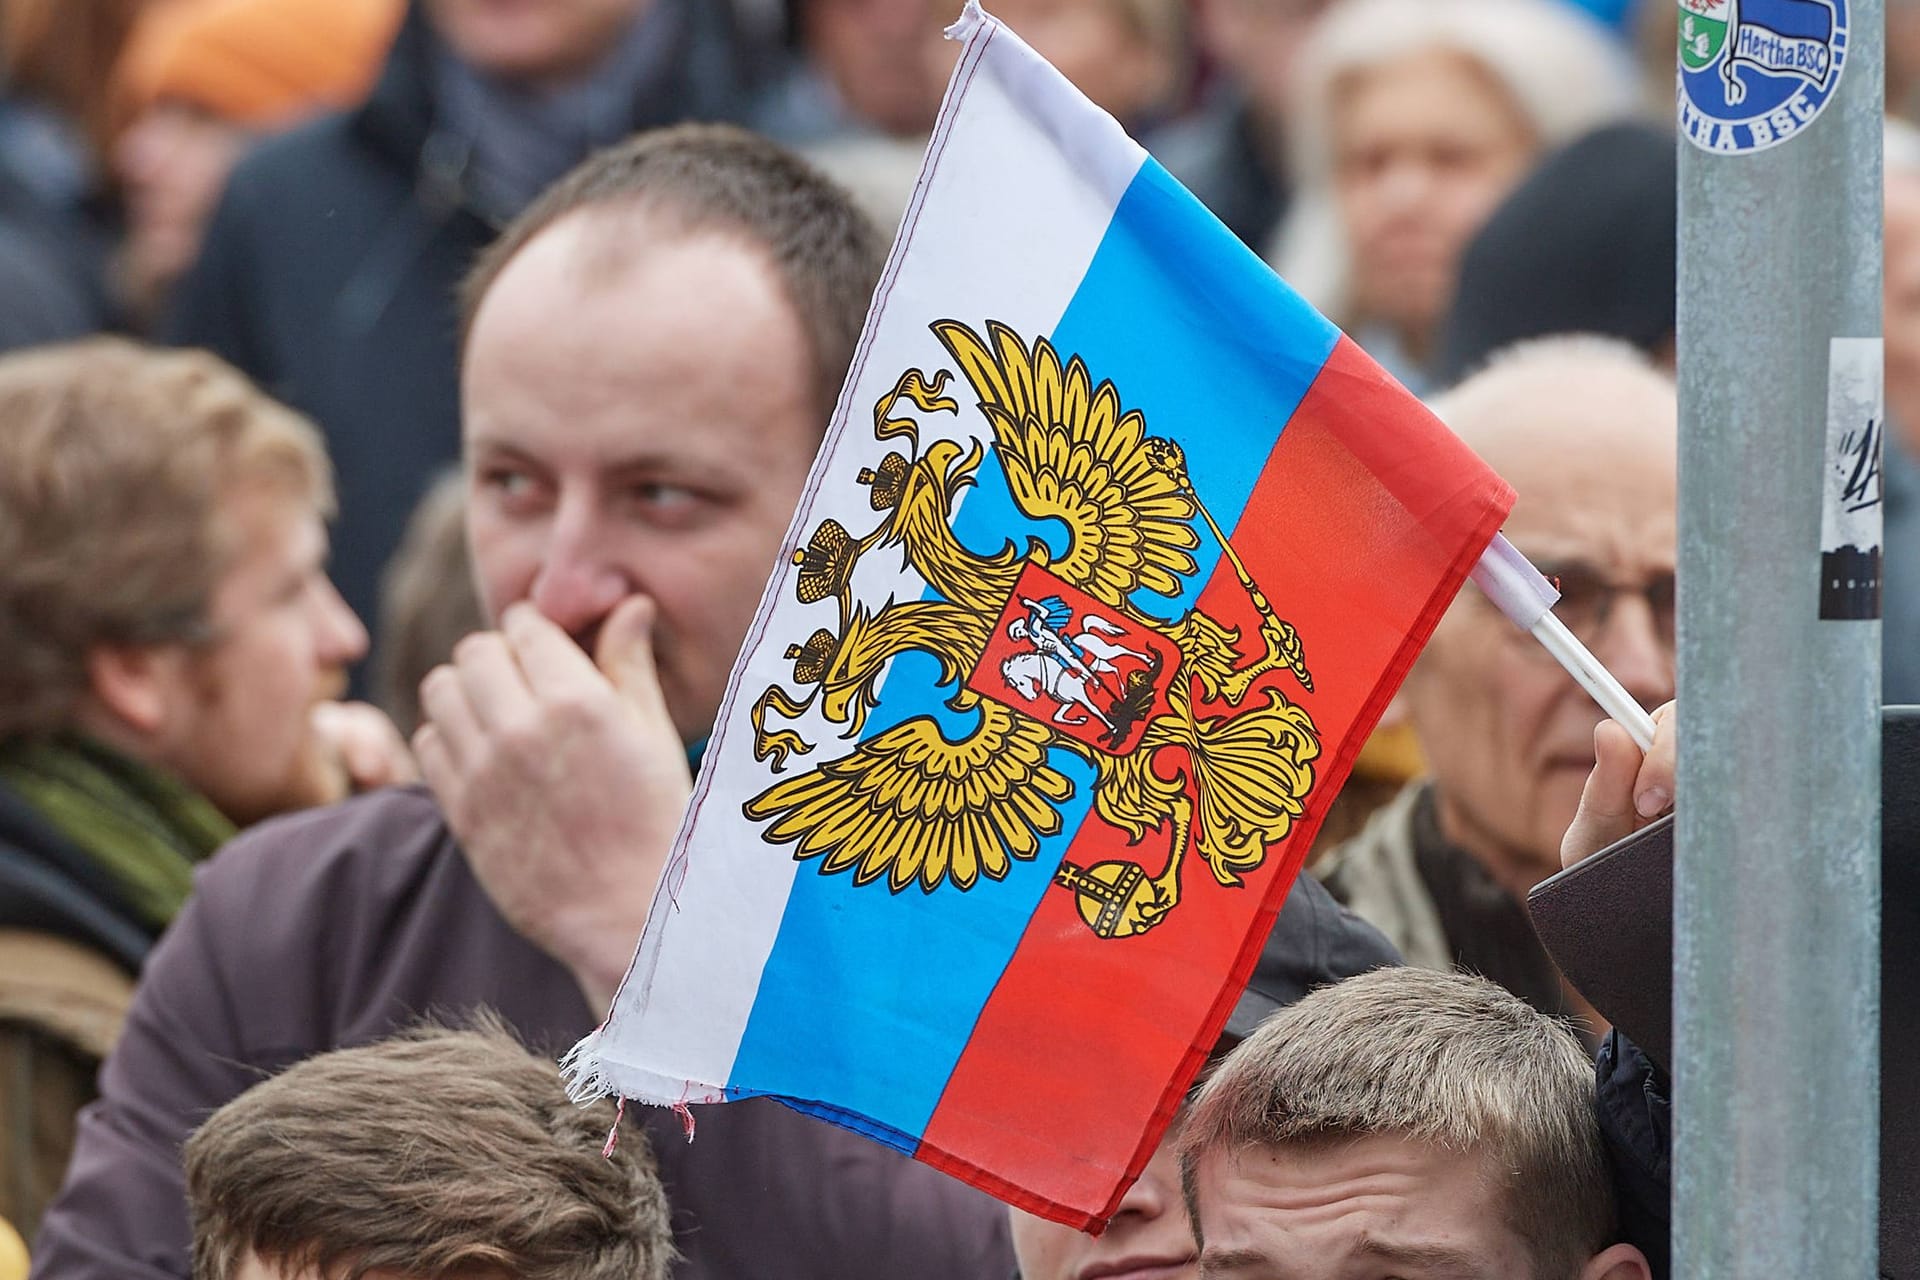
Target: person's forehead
[1315, 1209]
[1592, 460]
[622, 258]
[268, 515]
[613, 322]
[266, 538]
[1425, 88]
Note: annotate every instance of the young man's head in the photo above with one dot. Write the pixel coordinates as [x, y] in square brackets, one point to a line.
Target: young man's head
[434, 1155]
[1314, 942]
[1404, 1123]
[652, 353]
[162, 567]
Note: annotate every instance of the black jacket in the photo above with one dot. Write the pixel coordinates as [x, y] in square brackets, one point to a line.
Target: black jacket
[1635, 1104]
[330, 270]
[336, 926]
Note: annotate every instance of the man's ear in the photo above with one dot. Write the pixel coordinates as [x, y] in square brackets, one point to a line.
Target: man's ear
[1618, 1262]
[133, 682]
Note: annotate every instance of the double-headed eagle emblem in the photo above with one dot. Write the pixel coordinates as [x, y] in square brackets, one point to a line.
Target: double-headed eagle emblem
[1189, 735]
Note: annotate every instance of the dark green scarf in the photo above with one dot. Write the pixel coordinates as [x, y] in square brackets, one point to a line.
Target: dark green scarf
[145, 828]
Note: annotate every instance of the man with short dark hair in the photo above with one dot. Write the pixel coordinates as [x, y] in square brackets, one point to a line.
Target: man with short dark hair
[1409, 1123]
[436, 1152]
[643, 383]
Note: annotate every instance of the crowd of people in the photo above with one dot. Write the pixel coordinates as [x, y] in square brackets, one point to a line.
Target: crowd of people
[401, 403]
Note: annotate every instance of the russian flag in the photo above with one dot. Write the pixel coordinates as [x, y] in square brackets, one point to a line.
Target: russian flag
[1114, 554]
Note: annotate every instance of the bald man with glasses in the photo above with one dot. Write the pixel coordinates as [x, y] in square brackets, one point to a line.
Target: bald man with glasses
[1584, 429]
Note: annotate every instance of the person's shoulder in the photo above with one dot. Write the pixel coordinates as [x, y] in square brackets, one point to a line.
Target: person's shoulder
[293, 154]
[1375, 875]
[1383, 846]
[376, 842]
[310, 176]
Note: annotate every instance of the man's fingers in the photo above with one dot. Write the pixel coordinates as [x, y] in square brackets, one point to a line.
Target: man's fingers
[1606, 811]
[625, 653]
[443, 704]
[436, 767]
[554, 666]
[495, 686]
[1653, 787]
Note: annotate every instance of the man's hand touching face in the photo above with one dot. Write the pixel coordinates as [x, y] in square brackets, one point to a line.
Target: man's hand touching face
[564, 779]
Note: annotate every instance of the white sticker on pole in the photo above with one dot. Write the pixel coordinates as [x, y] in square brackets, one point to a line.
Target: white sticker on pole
[1850, 480]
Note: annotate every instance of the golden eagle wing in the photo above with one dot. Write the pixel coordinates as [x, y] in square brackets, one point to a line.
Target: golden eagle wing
[909, 805]
[1071, 454]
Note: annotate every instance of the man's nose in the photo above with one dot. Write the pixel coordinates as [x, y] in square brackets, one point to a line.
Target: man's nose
[577, 586]
[1406, 185]
[343, 637]
[1155, 1191]
[1634, 648]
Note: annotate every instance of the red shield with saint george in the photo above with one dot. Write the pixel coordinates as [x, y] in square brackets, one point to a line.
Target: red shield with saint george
[1083, 667]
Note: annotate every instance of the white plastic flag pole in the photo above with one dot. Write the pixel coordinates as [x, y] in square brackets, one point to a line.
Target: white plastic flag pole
[1524, 594]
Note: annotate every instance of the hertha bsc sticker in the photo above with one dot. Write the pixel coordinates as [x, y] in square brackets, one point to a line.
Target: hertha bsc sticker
[1754, 73]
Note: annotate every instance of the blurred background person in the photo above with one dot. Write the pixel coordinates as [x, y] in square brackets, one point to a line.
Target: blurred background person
[57, 57]
[1231, 151]
[860, 93]
[1900, 450]
[198, 82]
[1586, 244]
[57, 221]
[865, 85]
[1903, 59]
[330, 269]
[863, 69]
[1130, 56]
[427, 600]
[170, 645]
[1412, 119]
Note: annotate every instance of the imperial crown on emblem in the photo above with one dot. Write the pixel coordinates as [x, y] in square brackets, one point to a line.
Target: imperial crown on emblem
[1195, 745]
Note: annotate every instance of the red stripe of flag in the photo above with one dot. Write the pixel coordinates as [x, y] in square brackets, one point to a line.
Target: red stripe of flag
[1368, 517]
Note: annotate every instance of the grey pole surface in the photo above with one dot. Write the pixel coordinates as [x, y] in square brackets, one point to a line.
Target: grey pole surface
[1776, 896]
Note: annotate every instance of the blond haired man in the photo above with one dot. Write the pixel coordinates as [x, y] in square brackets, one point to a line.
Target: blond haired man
[1405, 1123]
[437, 1152]
[171, 642]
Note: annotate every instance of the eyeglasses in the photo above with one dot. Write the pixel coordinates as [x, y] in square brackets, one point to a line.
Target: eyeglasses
[1587, 597]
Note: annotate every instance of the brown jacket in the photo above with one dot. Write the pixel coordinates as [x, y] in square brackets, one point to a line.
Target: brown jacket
[334, 927]
[60, 1007]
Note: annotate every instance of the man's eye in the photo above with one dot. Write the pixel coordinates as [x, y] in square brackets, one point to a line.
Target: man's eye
[670, 497]
[508, 482]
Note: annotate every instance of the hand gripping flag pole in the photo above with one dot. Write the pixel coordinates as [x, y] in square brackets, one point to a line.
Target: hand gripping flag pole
[1523, 593]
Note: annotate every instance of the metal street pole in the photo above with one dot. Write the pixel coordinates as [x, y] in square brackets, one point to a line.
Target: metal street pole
[1776, 895]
